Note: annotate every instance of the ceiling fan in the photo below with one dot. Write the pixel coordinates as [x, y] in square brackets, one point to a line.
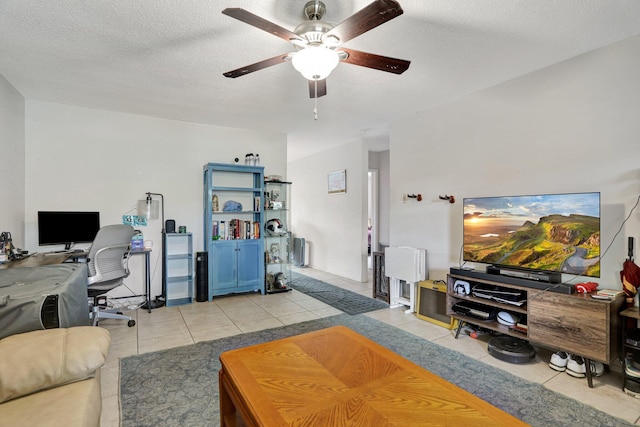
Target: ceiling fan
[318, 44]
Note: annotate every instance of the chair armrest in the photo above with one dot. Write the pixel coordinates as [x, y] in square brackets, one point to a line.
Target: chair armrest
[44, 359]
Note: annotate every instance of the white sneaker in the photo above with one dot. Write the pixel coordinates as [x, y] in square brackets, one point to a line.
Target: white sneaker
[632, 388]
[559, 361]
[597, 369]
[629, 367]
[635, 360]
[575, 367]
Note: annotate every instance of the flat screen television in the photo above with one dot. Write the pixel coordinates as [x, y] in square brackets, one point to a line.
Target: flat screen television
[67, 228]
[545, 233]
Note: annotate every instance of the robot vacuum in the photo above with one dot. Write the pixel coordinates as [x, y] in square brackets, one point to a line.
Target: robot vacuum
[510, 349]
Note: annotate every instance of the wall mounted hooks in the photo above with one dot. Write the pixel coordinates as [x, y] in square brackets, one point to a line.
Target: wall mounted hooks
[406, 197]
[451, 199]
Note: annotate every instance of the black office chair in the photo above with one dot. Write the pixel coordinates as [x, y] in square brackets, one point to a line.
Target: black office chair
[107, 265]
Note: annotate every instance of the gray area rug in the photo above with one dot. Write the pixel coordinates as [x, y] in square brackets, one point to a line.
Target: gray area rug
[179, 387]
[342, 299]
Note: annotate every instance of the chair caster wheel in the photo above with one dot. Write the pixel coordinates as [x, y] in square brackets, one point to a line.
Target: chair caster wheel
[131, 323]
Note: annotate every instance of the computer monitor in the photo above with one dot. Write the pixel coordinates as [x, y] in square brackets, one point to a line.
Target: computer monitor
[67, 228]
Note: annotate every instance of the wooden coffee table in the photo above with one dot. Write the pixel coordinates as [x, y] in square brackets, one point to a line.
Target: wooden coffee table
[336, 377]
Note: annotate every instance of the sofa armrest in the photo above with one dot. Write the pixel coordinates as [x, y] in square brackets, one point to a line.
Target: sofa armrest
[43, 359]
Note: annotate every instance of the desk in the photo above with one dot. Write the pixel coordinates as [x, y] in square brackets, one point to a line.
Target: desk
[41, 259]
[336, 377]
[53, 258]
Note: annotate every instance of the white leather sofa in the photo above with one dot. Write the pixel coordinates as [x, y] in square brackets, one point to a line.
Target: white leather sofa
[51, 377]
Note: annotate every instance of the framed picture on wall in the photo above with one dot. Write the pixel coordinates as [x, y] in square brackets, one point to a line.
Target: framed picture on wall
[338, 182]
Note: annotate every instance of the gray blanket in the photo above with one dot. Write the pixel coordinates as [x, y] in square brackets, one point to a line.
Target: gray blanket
[23, 292]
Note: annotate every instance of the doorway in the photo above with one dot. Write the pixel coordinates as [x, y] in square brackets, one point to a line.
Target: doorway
[372, 216]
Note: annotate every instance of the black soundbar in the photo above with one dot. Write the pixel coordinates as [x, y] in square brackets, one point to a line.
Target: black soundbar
[562, 288]
[542, 276]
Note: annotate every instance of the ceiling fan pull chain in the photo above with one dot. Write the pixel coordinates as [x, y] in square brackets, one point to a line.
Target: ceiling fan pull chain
[315, 102]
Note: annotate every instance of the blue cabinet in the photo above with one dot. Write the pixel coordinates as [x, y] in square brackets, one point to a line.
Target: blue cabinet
[237, 266]
[233, 224]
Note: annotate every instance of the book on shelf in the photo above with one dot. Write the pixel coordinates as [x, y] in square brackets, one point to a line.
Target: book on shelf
[246, 229]
[236, 229]
[233, 229]
[223, 230]
[611, 293]
[520, 327]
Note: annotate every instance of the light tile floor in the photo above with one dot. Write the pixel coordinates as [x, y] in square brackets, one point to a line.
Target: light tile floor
[169, 327]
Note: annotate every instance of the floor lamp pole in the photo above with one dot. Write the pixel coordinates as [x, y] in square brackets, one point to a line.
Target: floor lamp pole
[161, 302]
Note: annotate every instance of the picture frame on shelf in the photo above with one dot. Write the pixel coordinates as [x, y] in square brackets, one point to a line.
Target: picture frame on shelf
[337, 181]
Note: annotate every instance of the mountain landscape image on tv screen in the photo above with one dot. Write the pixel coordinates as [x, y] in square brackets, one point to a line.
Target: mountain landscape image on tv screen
[555, 232]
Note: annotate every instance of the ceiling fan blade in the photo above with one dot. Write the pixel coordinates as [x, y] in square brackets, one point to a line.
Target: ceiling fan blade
[261, 23]
[321, 88]
[377, 13]
[378, 62]
[257, 66]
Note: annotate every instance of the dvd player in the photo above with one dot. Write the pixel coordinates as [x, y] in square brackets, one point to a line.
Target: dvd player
[475, 310]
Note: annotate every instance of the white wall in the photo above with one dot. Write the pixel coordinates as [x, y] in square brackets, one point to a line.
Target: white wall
[572, 127]
[85, 159]
[12, 162]
[383, 196]
[379, 161]
[333, 225]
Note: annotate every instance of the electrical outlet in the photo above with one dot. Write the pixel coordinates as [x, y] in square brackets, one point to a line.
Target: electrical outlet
[404, 198]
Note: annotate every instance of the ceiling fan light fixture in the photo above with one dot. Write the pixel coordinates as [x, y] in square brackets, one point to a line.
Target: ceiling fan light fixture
[315, 62]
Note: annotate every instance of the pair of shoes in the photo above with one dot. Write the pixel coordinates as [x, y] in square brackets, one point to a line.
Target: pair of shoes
[631, 367]
[632, 388]
[576, 367]
[559, 361]
[597, 369]
[562, 361]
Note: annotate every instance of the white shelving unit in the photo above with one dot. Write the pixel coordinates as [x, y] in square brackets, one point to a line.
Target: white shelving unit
[179, 268]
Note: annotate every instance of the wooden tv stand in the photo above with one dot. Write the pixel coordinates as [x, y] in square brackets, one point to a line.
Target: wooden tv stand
[575, 323]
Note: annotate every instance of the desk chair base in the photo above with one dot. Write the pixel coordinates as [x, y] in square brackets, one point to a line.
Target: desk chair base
[98, 313]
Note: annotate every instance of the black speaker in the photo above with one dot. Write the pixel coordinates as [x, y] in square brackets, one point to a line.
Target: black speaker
[202, 276]
[493, 269]
[170, 226]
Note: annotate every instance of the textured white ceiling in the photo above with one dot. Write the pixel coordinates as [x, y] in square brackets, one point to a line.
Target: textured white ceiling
[165, 58]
